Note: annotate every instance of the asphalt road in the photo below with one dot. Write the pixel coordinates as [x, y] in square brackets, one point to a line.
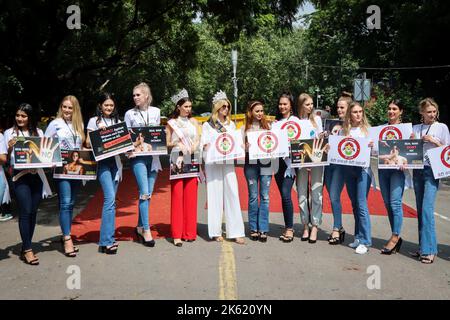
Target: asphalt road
[209, 270]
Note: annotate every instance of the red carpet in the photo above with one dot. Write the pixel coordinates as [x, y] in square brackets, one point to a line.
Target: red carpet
[86, 225]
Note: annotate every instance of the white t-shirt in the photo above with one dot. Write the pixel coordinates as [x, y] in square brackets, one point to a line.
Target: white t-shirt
[3, 145]
[3, 150]
[11, 133]
[64, 131]
[93, 125]
[139, 118]
[437, 130]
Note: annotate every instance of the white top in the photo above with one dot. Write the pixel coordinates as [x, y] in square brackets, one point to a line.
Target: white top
[207, 131]
[11, 133]
[187, 127]
[3, 150]
[437, 130]
[64, 131]
[140, 118]
[92, 126]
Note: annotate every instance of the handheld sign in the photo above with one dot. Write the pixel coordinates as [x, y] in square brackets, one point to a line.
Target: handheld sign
[149, 140]
[295, 128]
[393, 154]
[349, 151]
[76, 165]
[389, 132]
[36, 152]
[440, 161]
[225, 146]
[184, 166]
[267, 144]
[309, 153]
[111, 141]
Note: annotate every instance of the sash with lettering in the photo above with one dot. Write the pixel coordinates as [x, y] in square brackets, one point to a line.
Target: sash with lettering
[190, 165]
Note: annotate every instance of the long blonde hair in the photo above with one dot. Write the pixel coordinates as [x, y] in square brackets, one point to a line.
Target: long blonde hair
[300, 110]
[215, 111]
[364, 125]
[77, 118]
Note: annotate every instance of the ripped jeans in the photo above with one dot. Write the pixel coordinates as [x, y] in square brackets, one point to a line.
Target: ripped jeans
[145, 179]
[258, 215]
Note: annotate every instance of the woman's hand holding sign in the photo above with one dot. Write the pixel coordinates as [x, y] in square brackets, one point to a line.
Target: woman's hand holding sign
[318, 151]
[44, 153]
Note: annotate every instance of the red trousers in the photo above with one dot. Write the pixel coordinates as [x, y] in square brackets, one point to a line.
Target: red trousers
[183, 213]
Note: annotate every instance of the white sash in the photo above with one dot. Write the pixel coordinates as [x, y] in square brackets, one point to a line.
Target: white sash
[186, 140]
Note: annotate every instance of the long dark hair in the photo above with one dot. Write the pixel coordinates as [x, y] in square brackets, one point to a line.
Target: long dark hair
[290, 97]
[32, 119]
[176, 112]
[103, 96]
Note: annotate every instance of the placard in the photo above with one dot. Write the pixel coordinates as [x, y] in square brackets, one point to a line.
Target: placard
[309, 153]
[184, 166]
[149, 140]
[389, 132]
[440, 161]
[393, 154]
[333, 126]
[296, 128]
[36, 152]
[76, 165]
[111, 141]
[349, 151]
[267, 144]
[225, 146]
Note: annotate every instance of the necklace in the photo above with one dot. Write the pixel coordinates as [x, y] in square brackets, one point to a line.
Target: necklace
[74, 136]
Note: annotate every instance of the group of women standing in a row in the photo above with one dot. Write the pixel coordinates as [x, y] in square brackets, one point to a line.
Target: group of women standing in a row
[185, 135]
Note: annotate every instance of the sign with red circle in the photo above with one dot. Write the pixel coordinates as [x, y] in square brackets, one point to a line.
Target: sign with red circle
[267, 142]
[293, 130]
[225, 143]
[445, 157]
[390, 133]
[349, 148]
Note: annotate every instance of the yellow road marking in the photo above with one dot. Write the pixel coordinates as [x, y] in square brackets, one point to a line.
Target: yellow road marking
[227, 273]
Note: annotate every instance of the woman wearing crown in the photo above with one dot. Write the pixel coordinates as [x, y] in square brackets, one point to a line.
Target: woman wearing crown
[183, 135]
[222, 186]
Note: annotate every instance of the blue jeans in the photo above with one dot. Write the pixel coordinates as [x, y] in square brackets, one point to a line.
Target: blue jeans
[392, 185]
[145, 179]
[358, 183]
[68, 190]
[2, 189]
[258, 216]
[335, 177]
[425, 188]
[285, 187]
[106, 173]
[28, 191]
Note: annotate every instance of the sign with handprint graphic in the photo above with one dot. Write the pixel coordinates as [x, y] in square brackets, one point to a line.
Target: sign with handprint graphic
[309, 153]
[36, 152]
[349, 151]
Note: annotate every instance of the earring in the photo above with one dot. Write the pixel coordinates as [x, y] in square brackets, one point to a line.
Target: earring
[421, 119]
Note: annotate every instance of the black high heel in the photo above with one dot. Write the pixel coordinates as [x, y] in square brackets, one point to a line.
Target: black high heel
[71, 254]
[263, 236]
[254, 235]
[311, 240]
[108, 249]
[306, 238]
[395, 249]
[339, 239]
[150, 243]
[32, 262]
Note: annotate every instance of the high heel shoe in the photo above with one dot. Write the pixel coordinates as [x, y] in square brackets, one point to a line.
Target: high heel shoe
[305, 238]
[108, 249]
[177, 242]
[313, 240]
[288, 235]
[339, 239]
[263, 236]
[254, 235]
[150, 243]
[395, 249]
[32, 262]
[71, 254]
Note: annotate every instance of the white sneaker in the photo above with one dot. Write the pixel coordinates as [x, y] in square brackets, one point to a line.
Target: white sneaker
[354, 244]
[5, 217]
[361, 249]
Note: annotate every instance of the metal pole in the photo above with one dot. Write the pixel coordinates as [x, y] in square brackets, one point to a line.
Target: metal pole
[234, 57]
